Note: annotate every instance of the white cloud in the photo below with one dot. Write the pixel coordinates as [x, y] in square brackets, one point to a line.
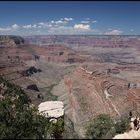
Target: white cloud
[82, 26]
[114, 32]
[27, 26]
[34, 26]
[61, 21]
[41, 23]
[39, 26]
[69, 30]
[59, 26]
[67, 19]
[131, 30]
[88, 21]
[58, 21]
[85, 21]
[15, 26]
[44, 25]
[9, 29]
[5, 29]
[52, 21]
[49, 25]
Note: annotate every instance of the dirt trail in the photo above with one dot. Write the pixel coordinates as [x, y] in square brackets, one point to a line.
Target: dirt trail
[107, 97]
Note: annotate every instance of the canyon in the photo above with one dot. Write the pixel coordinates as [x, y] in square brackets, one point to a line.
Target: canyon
[91, 75]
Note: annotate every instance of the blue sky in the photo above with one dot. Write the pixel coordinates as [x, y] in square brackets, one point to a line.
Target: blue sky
[34, 18]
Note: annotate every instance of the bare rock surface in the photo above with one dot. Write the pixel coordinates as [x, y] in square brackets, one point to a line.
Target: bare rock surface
[52, 109]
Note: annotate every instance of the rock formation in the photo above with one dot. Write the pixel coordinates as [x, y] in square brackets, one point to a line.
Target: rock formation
[52, 109]
[92, 94]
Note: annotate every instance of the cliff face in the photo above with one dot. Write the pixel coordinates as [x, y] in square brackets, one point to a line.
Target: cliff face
[83, 40]
[87, 91]
[10, 41]
[58, 54]
[92, 93]
[13, 53]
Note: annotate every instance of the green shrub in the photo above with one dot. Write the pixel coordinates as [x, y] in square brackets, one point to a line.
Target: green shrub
[122, 125]
[100, 127]
[20, 120]
[104, 127]
[56, 129]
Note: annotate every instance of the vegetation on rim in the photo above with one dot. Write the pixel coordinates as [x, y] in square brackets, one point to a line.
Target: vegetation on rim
[104, 127]
[19, 118]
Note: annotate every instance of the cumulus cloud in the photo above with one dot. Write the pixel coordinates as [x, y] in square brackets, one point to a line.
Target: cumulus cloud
[52, 21]
[68, 19]
[58, 21]
[39, 26]
[88, 21]
[114, 32]
[82, 26]
[60, 26]
[49, 25]
[41, 23]
[61, 20]
[15, 26]
[27, 26]
[11, 28]
[34, 26]
[69, 30]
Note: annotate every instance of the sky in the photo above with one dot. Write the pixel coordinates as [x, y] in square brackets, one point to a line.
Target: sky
[79, 17]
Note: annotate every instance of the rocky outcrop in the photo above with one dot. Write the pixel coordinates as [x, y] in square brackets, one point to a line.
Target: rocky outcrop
[9, 41]
[129, 135]
[52, 109]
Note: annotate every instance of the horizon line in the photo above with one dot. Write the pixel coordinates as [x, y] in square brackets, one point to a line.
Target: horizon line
[69, 35]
